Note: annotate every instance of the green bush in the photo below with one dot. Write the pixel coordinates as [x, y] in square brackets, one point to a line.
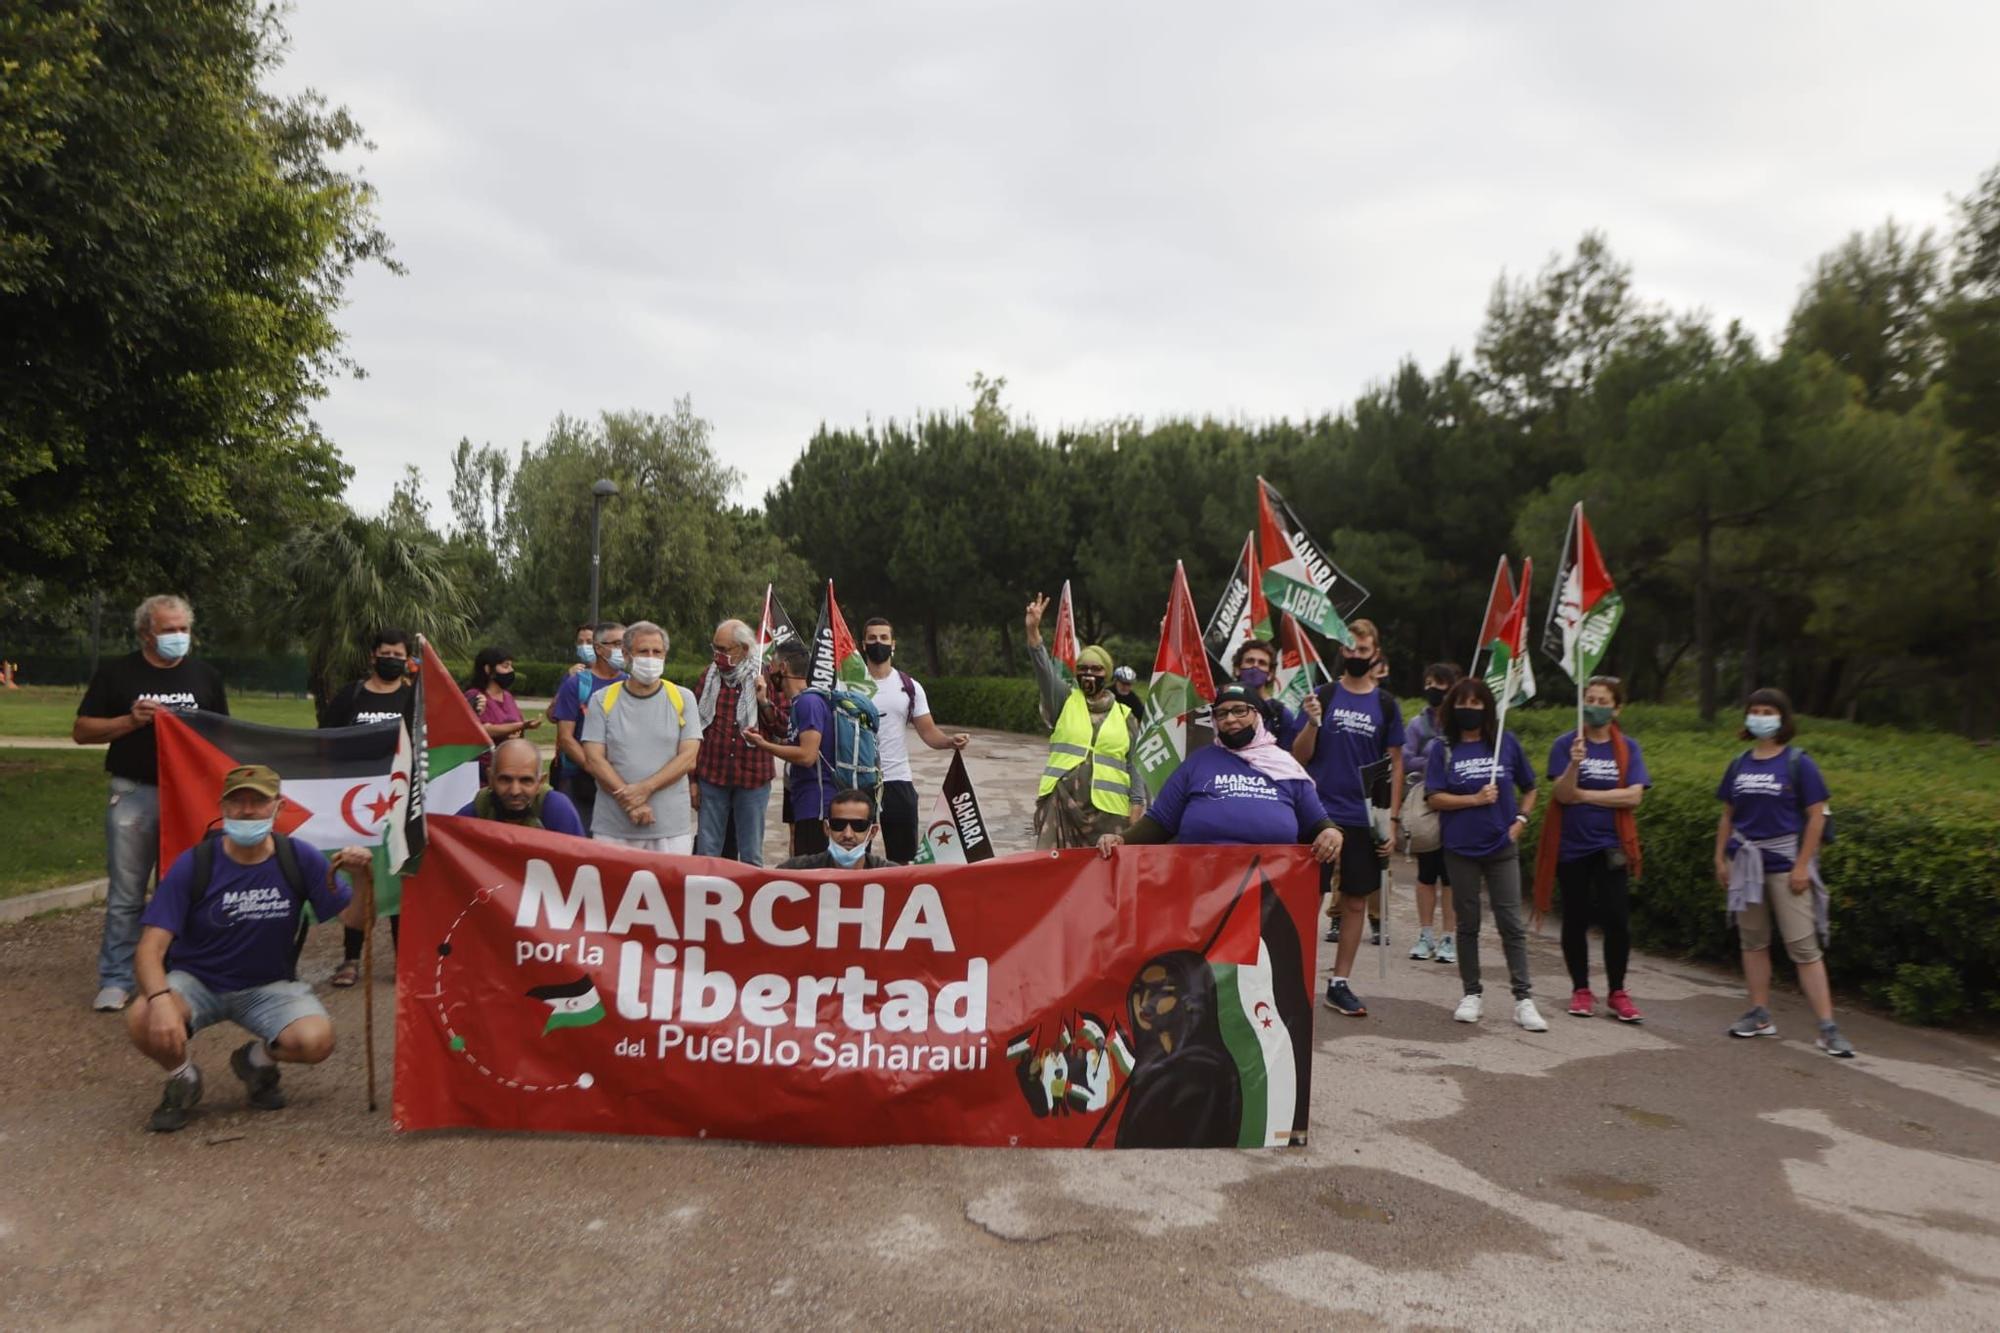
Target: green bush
[1000, 703]
[1914, 877]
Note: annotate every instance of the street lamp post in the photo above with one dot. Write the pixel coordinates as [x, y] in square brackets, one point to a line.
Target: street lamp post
[599, 493]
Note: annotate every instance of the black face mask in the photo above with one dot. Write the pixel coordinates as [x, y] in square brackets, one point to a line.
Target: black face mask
[1435, 695]
[1236, 740]
[391, 668]
[504, 679]
[1357, 666]
[1468, 719]
[878, 653]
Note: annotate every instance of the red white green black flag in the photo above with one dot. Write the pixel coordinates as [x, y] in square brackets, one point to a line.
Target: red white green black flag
[1509, 673]
[1300, 579]
[1182, 689]
[1586, 608]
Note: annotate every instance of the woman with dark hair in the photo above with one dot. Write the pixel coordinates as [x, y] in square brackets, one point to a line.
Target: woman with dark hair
[1185, 1091]
[1424, 728]
[491, 694]
[1590, 845]
[1471, 782]
[1767, 855]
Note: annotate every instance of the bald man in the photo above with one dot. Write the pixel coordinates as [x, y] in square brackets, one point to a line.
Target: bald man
[516, 795]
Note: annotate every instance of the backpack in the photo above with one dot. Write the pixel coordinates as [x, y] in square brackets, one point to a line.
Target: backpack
[854, 757]
[288, 867]
[487, 806]
[1793, 758]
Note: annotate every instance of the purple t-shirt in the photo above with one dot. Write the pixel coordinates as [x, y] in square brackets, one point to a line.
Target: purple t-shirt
[809, 788]
[1220, 797]
[1478, 831]
[570, 698]
[1355, 730]
[1762, 803]
[1594, 828]
[559, 814]
[240, 933]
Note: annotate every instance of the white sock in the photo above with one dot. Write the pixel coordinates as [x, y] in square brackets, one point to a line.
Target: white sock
[185, 1070]
[1338, 981]
[260, 1055]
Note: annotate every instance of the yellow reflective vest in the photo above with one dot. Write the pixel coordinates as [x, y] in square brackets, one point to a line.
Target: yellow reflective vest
[1108, 748]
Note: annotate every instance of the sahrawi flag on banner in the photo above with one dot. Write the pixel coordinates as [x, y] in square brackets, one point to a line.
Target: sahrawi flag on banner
[1254, 959]
[1508, 662]
[775, 627]
[1182, 689]
[955, 833]
[1300, 579]
[1586, 608]
[835, 659]
[1241, 613]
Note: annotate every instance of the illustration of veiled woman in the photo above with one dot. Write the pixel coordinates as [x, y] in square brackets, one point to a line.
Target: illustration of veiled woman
[1184, 1090]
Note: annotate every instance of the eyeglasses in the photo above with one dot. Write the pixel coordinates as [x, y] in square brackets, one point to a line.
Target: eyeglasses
[848, 825]
[1232, 713]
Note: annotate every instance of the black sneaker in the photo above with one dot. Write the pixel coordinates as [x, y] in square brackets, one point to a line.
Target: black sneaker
[1342, 1000]
[260, 1083]
[180, 1097]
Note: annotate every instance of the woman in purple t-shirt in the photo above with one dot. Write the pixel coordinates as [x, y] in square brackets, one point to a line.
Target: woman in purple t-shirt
[1472, 781]
[1767, 856]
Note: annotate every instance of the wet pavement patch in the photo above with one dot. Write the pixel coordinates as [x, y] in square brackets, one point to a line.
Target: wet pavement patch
[1649, 1119]
[1608, 1189]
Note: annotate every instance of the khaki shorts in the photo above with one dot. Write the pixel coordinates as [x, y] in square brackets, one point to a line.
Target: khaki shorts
[1794, 913]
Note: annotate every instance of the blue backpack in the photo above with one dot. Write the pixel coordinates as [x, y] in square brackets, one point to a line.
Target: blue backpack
[851, 750]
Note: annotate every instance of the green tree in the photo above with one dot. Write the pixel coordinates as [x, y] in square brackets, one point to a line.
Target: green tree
[174, 244]
[1869, 306]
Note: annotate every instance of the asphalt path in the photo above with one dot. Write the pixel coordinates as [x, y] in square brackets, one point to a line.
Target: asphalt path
[1596, 1175]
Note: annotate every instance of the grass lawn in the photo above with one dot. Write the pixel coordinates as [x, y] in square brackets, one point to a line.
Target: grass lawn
[54, 801]
[50, 710]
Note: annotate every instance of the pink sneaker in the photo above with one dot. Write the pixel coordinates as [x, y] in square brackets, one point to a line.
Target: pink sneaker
[1582, 1004]
[1622, 1008]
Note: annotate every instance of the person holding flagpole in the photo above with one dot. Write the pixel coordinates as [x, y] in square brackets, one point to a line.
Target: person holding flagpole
[1471, 775]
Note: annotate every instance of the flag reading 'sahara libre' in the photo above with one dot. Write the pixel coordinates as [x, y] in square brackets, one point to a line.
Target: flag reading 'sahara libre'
[1301, 670]
[1241, 613]
[1182, 689]
[1062, 646]
[1508, 649]
[955, 833]
[1586, 607]
[835, 659]
[1300, 579]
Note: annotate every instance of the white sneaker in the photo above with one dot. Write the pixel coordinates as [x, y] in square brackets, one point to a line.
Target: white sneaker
[1468, 1009]
[1422, 949]
[1529, 1017]
[110, 1000]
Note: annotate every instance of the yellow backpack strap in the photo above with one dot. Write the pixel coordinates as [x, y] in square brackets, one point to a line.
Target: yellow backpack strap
[680, 705]
[609, 694]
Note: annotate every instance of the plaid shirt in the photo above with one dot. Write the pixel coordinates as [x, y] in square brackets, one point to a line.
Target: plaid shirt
[726, 759]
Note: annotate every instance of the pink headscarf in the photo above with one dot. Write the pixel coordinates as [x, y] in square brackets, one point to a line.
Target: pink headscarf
[1264, 754]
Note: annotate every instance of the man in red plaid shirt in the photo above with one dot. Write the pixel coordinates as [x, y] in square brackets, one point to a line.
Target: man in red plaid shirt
[732, 776]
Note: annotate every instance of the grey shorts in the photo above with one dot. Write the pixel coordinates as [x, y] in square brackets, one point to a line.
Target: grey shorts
[263, 1011]
[1794, 916]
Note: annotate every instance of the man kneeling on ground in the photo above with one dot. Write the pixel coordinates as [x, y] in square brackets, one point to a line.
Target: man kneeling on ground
[217, 944]
[516, 795]
[850, 836]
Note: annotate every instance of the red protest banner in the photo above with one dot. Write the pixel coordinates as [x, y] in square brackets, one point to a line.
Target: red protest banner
[1158, 999]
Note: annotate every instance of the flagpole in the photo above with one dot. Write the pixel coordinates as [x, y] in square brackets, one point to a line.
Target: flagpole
[1500, 736]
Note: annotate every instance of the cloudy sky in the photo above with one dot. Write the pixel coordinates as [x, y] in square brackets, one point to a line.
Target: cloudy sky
[831, 210]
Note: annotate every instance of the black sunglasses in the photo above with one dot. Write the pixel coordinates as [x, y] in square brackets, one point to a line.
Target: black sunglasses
[848, 825]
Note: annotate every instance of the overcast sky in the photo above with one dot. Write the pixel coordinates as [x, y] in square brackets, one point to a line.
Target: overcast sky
[827, 210]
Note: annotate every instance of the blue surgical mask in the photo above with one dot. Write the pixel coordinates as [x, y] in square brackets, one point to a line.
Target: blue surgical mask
[1762, 725]
[172, 646]
[586, 654]
[246, 832]
[617, 659]
[847, 857]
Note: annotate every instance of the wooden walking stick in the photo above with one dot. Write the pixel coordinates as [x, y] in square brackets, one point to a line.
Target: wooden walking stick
[368, 985]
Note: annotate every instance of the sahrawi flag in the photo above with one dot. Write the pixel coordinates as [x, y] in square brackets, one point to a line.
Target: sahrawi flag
[775, 627]
[1508, 660]
[1177, 704]
[1586, 607]
[1299, 578]
[574, 1004]
[1241, 614]
[1063, 647]
[1300, 667]
[835, 659]
[955, 833]
[337, 788]
[444, 748]
[1499, 601]
[1266, 1013]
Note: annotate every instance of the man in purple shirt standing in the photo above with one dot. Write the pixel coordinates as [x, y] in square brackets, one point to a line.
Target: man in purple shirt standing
[216, 944]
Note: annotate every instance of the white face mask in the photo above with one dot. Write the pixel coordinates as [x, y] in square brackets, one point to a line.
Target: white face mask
[1762, 725]
[646, 670]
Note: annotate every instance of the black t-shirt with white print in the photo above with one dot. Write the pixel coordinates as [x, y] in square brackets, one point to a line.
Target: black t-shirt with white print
[188, 686]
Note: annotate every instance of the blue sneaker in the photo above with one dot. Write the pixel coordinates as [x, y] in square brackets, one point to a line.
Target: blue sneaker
[1342, 1000]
